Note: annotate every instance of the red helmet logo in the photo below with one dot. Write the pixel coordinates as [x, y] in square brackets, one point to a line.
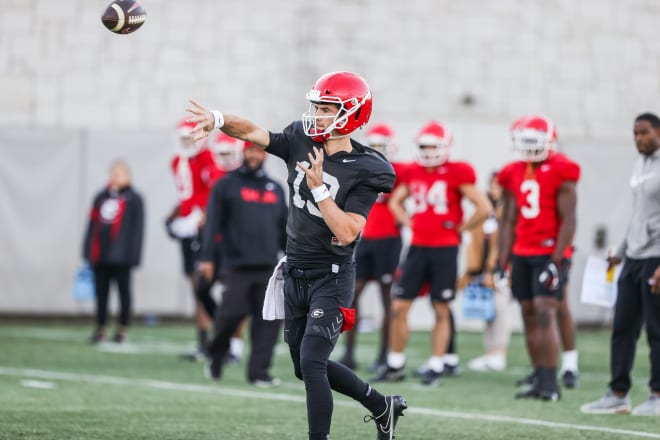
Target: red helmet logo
[350, 93]
[534, 136]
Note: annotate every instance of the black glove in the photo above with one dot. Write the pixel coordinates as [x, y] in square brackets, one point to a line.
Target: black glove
[550, 276]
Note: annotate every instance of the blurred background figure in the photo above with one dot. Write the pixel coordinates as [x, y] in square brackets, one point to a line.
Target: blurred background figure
[536, 238]
[377, 255]
[113, 246]
[248, 209]
[437, 187]
[481, 254]
[194, 169]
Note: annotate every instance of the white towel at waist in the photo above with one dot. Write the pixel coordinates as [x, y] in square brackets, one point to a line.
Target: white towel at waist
[274, 301]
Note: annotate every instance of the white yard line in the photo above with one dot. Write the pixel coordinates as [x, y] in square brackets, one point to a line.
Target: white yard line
[209, 389]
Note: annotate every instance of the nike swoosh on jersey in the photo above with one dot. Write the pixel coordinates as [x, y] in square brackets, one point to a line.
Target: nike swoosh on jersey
[349, 160]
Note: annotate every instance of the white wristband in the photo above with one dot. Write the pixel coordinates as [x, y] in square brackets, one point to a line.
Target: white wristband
[320, 193]
[218, 119]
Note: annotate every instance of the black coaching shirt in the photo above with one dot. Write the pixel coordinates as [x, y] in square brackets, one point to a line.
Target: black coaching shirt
[354, 180]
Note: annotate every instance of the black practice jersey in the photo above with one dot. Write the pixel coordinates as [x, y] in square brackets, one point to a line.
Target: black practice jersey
[354, 179]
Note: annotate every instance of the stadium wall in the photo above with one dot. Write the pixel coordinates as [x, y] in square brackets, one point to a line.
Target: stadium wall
[73, 97]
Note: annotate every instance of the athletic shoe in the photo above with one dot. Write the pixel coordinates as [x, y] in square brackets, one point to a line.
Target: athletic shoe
[608, 404]
[569, 379]
[532, 393]
[451, 370]
[348, 361]
[213, 369]
[527, 380]
[389, 374]
[193, 356]
[651, 407]
[231, 360]
[119, 337]
[488, 362]
[386, 422]
[378, 365]
[431, 377]
[266, 382]
[419, 372]
[550, 394]
[97, 336]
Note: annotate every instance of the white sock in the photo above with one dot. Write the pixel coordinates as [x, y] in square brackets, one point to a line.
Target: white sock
[569, 361]
[436, 363]
[236, 347]
[396, 360]
[451, 359]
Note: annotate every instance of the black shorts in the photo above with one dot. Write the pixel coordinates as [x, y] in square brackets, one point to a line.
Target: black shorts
[525, 271]
[436, 266]
[312, 298]
[377, 259]
[190, 251]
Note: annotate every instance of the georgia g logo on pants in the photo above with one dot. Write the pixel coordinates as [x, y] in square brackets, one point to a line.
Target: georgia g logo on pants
[316, 313]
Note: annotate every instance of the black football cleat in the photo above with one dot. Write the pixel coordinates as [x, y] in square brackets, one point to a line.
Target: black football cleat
[451, 370]
[389, 374]
[386, 422]
[550, 395]
[569, 379]
[527, 380]
[532, 393]
[431, 377]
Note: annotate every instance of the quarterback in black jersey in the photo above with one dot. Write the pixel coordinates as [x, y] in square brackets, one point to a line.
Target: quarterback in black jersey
[333, 183]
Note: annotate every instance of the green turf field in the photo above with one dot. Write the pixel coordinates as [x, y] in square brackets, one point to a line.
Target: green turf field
[54, 385]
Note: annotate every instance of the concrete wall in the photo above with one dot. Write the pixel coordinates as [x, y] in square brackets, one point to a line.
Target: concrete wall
[73, 96]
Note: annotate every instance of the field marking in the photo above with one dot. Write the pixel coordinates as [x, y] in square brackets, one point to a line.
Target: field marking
[210, 389]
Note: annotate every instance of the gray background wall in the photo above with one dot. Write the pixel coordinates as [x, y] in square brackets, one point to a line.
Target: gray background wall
[73, 96]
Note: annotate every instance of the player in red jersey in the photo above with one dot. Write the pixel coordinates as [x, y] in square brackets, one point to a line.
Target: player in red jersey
[195, 169]
[437, 187]
[538, 226]
[377, 255]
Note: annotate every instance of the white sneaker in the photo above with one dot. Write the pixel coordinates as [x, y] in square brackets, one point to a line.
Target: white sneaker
[608, 404]
[651, 407]
[488, 362]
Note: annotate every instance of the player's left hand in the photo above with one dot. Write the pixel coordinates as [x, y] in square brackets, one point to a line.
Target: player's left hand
[654, 282]
[203, 118]
[313, 173]
[550, 276]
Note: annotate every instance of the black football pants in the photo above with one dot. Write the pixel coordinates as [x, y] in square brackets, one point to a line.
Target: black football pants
[635, 306]
[311, 328]
[121, 274]
[244, 295]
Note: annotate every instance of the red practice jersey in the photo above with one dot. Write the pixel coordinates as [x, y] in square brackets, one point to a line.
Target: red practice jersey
[437, 202]
[381, 222]
[194, 178]
[537, 226]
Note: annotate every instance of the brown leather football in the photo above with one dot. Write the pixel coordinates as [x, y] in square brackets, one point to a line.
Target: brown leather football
[124, 16]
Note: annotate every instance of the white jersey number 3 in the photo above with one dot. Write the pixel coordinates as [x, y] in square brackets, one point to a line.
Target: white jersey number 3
[531, 191]
[301, 203]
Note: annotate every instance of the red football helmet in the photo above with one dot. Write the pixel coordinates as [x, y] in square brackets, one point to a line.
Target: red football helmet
[534, 136]
[184, 144]
[380, 137]
[228, 151]
[433, 144]
[350, 92]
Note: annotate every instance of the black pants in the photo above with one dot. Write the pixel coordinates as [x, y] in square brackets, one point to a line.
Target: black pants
[313, 323]
[244, 295]
[121, 274]
[635, 305]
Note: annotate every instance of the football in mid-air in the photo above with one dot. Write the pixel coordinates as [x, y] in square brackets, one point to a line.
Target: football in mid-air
[124, 16]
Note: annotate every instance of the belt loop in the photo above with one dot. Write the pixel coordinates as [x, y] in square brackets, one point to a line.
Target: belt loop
[335, 268]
